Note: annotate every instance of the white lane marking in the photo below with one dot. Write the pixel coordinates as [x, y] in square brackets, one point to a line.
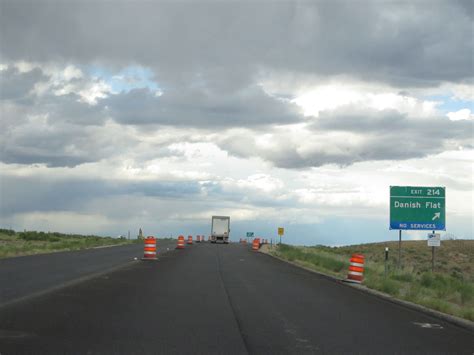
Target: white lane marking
[107, 246]
[5, 333]
[428, 325]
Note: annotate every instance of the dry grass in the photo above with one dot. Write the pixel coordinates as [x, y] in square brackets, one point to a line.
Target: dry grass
[454, 257]
[28, 243]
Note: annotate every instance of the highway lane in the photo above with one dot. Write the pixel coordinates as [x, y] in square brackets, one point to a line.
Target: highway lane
[220, 299]
[27, 275]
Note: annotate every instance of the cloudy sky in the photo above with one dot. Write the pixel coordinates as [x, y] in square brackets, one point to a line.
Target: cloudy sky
[120, 115]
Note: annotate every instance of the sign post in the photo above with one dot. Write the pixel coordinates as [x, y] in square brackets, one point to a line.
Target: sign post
[281, 231]
[434, 240]
[432, 258]
[416, 208]
[399, 248]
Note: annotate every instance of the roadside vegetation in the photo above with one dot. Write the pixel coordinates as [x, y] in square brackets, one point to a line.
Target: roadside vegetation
[449, 289]
[31, 242]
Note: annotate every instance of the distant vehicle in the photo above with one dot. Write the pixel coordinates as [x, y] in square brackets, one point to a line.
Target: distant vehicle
[220, 229]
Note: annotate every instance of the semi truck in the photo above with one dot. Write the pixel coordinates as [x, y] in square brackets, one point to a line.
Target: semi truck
[220, 229]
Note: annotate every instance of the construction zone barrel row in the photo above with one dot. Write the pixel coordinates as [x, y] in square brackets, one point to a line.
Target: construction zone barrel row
[181, 241]
[150, 249]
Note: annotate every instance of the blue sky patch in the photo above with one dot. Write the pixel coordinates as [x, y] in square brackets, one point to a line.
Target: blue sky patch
[129, 78]
[450, 104]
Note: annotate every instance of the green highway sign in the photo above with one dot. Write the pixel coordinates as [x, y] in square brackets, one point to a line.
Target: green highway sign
[249, 234]
[417, 208]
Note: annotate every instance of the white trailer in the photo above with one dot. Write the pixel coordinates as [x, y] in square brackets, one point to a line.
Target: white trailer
[220, 229]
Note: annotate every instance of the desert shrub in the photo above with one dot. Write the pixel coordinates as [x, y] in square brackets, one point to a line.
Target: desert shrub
[389, 286]
[466, 291]
[36, 236]
[405, 277]
[468, 313]
[9, 232]
[437, 304]
[314, 257]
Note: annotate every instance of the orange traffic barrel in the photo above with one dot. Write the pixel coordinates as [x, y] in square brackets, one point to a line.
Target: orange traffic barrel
[198, 239]
[149, 252]
[356, 269]
[190, 239]
[256, 244]
[180, 242]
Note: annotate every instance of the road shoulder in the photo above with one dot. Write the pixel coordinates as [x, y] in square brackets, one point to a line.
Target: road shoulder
[463, 323]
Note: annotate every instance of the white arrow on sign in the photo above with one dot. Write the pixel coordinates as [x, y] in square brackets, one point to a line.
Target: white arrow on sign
[436, 215]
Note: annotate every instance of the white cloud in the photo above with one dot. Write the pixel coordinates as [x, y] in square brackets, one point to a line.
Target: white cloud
[24, 67]
[463, 114]
[262, 182]
[94, 91]
[65, 80]
[462, 91]
[72, 72]
[328, 97]
[198, 152]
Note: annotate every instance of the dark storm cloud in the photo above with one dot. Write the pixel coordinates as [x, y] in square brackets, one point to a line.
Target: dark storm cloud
[38, 193]
[47, 128]
[228, 44]
[208, 58]
[200, 108]
[350, 135]
[63, 145]
[26, 194]
[62, 139]
[69, 108]
[391, 135]
[35, 193]
[288, 156]
[467, 6]
[15, 85]
[17, 89]
[391, 122]
[63, 130]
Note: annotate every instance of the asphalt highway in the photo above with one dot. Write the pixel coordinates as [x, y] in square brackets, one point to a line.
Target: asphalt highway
[28, 275]
[220, 299]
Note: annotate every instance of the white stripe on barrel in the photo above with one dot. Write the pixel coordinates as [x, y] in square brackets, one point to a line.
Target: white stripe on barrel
[149, 246]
